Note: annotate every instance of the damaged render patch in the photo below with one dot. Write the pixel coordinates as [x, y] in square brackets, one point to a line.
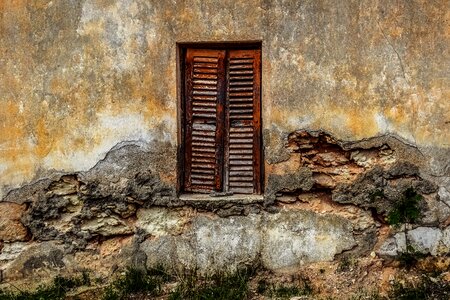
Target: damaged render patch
[101, 202]
[370, 174]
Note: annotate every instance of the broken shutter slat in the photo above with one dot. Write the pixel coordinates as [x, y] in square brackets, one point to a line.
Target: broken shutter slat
[204, 92]
[243, 125]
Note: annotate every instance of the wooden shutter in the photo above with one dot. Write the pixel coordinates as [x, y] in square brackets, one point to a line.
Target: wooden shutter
[243, 123]
[204, 92]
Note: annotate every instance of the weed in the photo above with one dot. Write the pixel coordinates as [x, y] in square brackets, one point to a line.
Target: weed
[426, 288]
[136, 281]
[219, 286]
[368, 295]
[345, 264]
[262, 286]
[410, 258]
[284, 291]
[406, 210]
[377, 194]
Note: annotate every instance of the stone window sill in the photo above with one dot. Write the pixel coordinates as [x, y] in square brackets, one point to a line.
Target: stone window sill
[235, 198]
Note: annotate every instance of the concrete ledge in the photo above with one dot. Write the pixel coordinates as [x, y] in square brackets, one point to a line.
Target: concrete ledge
[236, 198]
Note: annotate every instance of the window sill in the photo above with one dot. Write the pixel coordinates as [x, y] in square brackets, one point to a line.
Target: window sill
[236, 198]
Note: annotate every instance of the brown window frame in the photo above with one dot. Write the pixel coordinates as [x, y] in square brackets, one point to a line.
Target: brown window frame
[182, 49]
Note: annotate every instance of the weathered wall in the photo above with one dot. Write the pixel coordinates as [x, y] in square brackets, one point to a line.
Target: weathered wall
[355, 98]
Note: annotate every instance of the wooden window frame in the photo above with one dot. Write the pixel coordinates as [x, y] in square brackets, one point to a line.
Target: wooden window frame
[181, 107]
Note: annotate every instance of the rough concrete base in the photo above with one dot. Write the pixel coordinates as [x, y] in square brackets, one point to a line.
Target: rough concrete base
[187, 239]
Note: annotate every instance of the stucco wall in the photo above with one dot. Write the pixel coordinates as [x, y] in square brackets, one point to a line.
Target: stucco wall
[78, 77]
[355, 112]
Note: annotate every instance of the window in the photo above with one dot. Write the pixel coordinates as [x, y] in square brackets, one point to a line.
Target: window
[222, 125]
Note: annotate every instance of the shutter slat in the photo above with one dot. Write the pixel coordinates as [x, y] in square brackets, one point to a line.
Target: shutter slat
[241, 184]
[202, 182]
[205, 104]
[241, 168]
[234, 66]
[236, 110]
[205, 76]
[241, 162]
[241, 117]
[202, 145]
[203, 176]
[203, 149]
[203, 154]
[241, 105]
[203, 98]
[241, 178]
[241, 173]
[241, 60]
[203, 166]
[240, 83]
[205, 65]
[249, 100]
[245, 146]
[203, 81]
[198, 87]
[203, 115]
[206, 59]
[241, 72]
[236, 78]
[205, 92]
[241, 151]
[241, 134]
[205, 71]
[238, 94]
[241, 156]
[202, 171]
[241, 88]
[200, 132]
[247, 141]
[207, 160]
[241, 129]
[204, 109]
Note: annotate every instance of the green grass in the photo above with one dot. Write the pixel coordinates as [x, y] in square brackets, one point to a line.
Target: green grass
[137, 281]
[54, 291]
[345, 264]
[219, 287]
[141, 284]
[427, 288]
[406, 210]
[284, 291]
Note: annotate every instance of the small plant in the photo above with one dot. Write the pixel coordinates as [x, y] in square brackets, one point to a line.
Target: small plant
[345, 264]
[368, 295]
[377, 194]
[409, 258]
[262, 287]
[285, 291]
[136, 281]
[406, 210]
[219, 286]
[426, 288]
